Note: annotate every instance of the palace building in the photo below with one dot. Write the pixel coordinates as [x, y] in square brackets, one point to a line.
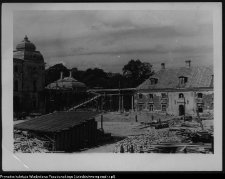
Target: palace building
[28, 79]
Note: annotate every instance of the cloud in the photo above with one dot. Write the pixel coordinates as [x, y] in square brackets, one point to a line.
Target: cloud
[95, 38]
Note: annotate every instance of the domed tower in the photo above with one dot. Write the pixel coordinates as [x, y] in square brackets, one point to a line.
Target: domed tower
[28, 70]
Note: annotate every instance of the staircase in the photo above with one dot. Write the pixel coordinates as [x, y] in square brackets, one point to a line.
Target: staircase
[85, 101]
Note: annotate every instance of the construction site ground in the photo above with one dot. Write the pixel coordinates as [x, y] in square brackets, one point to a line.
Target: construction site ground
[122, 125]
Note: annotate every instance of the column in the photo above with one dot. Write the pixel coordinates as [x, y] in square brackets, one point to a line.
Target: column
[132, 102]
[122, 103]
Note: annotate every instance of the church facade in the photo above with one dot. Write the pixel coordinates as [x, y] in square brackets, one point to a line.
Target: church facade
[28, 79]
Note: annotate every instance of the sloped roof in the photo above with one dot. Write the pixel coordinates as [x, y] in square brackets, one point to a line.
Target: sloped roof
[67, 83]
[169, 78]
[56, 121]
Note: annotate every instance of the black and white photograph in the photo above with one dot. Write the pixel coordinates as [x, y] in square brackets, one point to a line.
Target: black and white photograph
[113, 84]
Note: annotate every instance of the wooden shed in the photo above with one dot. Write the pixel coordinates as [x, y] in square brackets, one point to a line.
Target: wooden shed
[68, 131]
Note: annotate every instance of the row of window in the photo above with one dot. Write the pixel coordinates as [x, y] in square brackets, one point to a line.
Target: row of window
[151, 107]
[181, 95]
[140, 96]
[182, 80]
[16, 85]
[163, 107]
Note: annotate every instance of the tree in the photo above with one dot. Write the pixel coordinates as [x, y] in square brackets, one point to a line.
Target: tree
[136, 72]
[53, 73]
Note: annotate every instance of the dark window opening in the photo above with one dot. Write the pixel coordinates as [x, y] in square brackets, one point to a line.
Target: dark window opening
[16, 69]
[16, 84]
[153, 81]
[34, 86]
[140, 96]
[181, 95]
[183, 80]
[163, 95]
[199, 95]
[151, 107]
[164, 107]
[151, 96]
[200, 108]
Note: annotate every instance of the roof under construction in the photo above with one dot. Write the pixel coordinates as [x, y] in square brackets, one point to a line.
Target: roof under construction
[56, 121]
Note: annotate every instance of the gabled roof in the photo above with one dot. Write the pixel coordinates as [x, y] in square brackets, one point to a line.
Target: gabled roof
[56, 121]
[169, 78]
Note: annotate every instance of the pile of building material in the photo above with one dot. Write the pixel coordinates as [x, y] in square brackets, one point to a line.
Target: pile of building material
[180, 137]
[25, 145]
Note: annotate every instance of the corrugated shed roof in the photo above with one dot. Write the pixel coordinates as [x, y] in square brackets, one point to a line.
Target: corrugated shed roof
[56, 121]
[169, 78]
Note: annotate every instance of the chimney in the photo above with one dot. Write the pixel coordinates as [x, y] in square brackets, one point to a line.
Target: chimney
[188, 63]
[70, 73]
[61, 75]
[162, 66]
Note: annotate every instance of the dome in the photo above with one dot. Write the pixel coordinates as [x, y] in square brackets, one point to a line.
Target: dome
[26, 45]
[67, 83]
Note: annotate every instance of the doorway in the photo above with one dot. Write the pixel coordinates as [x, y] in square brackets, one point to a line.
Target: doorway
[181, 110]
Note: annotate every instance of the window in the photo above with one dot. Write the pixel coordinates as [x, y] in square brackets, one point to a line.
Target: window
[200, 108]
[140, 96]
[153, 81]
[183, 80]
[34, 86]
[151, 107]
[181, 95]
[16, 69]
[163, 95]
[199, 95]
[151, 96]
[163, 107]
[16, 85]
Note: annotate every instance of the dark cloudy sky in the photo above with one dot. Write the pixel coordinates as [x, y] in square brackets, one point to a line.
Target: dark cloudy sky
[109, 39]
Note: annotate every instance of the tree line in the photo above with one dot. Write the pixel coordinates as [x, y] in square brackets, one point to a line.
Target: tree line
[134, 73]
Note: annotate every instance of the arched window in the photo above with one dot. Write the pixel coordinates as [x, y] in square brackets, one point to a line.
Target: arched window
[16, 85]
[181, 95]
[151, 107]
[34, 86]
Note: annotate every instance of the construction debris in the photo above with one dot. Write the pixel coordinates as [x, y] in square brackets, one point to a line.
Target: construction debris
[25, 145]
[180, 137]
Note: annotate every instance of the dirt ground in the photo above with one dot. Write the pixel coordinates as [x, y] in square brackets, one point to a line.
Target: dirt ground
[122, 125]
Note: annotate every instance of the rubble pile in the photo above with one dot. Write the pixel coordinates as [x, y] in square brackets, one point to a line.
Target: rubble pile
[29, 145]
[143, 142]
[180, 137]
